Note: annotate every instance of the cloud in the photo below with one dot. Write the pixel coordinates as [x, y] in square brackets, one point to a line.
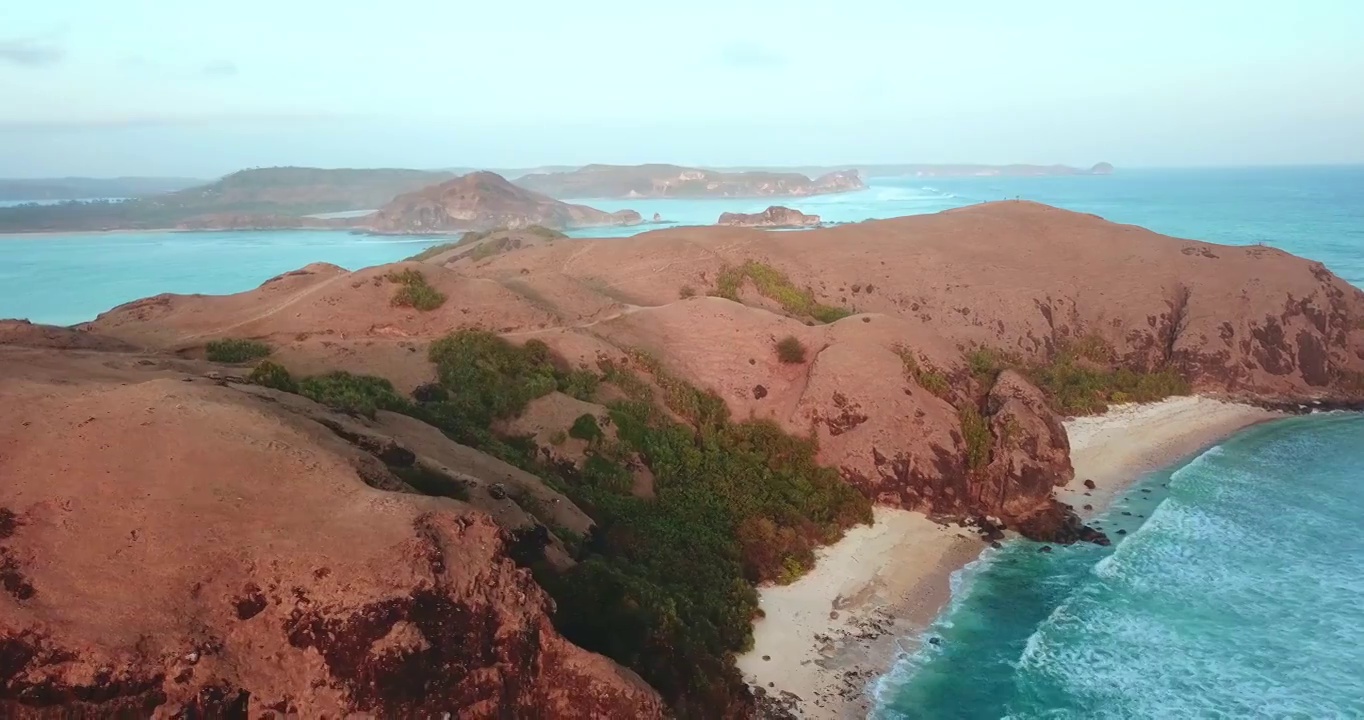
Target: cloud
[31, 52]
[220, 69]
[750, 55]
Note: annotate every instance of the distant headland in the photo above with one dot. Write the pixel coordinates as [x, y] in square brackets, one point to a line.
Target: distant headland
[421, 201]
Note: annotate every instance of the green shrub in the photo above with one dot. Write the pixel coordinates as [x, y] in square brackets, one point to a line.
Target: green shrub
[558, 438]
[985, 364]
[490, 378]
[1075, 389]
[774, 284]
[665, 586]
[976, 434]
[790, 350]
[433, 251]
[485, 251]
[272, 375]
[545, 232]
[586, 428]
[580, 384]
[357, 394]
[686, 291]
[926, 376]
[415, 292]
[473, 236]
[702, 407]
[235, 350]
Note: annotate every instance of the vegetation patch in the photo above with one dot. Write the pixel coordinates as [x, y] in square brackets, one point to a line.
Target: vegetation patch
[666, 585]
[272, 375]
[415, 292]
[586, 428]
[702, 407]
[355, 394]
[1076, 380]
[544, 232]
[927, 376]
[774, 285]
[976, 434]
[433, 251]
[580, 384]
[791, 350]
[235, 350]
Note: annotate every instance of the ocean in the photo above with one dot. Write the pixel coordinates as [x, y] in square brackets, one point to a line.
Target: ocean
[1237, 596]
[1237, 592]
[1316, 212]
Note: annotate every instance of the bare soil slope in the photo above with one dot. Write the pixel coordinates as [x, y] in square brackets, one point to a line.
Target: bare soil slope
[1022, 280]
[169, 547]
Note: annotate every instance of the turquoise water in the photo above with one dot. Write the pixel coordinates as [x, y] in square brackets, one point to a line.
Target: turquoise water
[1315, 212]
[1240, 596]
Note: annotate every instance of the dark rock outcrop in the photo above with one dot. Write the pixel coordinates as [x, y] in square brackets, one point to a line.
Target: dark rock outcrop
[773, 217]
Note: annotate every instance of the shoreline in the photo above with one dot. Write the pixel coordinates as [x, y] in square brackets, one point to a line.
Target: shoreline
[828, 637]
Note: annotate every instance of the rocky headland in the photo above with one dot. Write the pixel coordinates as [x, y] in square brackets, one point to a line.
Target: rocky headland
[626, 181]
[561, 415]
[773, 217]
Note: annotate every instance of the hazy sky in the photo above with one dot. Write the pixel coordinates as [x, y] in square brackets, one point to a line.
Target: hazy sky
[171, 87]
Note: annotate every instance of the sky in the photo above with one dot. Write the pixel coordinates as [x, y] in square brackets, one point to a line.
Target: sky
[175, 88]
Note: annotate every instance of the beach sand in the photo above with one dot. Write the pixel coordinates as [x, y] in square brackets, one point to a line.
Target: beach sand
[826, 637]
[1118, 447]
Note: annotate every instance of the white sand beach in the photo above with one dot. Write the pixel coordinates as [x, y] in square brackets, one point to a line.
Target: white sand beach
[1118, 447]
[825, 637]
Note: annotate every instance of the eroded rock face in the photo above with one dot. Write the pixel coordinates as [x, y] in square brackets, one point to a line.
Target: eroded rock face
[171, 548]
[773, 217]
[1030, 453]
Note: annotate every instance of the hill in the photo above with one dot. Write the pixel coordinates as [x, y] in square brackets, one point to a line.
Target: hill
[716, 402]
[481, 201]
[80, 188]
[257, 193]
[616, 181]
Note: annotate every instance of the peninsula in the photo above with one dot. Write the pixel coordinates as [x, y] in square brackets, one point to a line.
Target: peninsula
[650, 181]
[525, 474]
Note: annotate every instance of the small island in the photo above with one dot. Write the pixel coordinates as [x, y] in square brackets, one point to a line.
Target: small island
[773, 217]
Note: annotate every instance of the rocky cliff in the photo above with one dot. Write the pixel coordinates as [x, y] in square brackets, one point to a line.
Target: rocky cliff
[484, 200]
[773, 217]
[615, 181]
[169, 548]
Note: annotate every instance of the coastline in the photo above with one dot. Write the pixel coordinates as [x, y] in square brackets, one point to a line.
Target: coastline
[826, 637]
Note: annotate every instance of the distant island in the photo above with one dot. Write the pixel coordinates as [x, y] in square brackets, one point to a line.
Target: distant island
[83, 188]
[773, 217]
[281, 198]
[961, 170]
[659, 181]
[285, 194]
